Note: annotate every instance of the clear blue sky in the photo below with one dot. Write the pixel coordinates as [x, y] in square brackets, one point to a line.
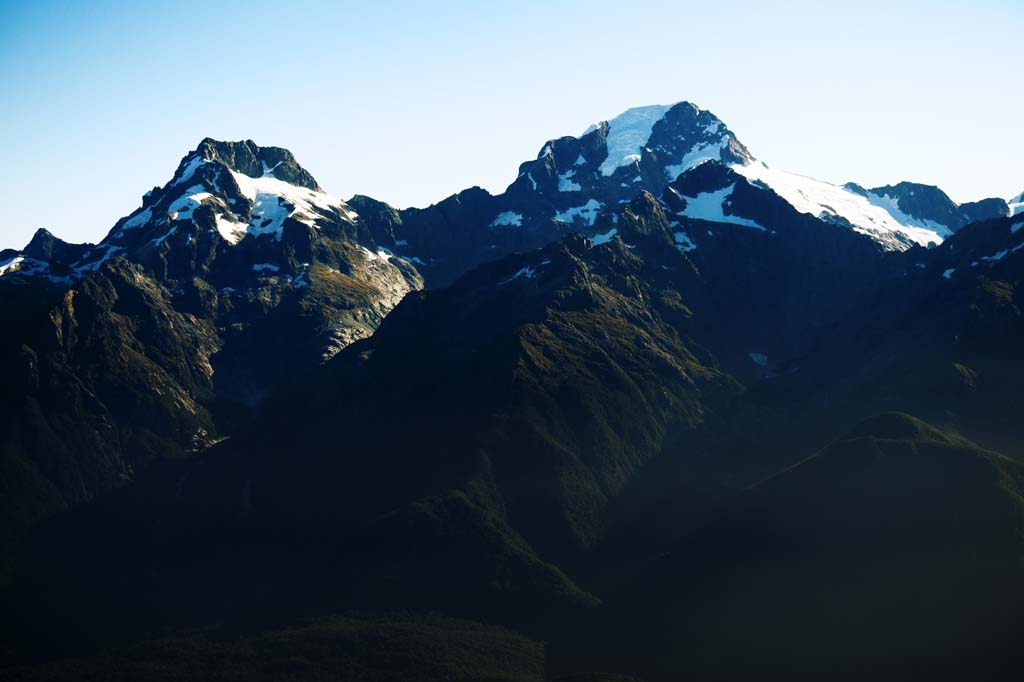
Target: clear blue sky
[409, 102]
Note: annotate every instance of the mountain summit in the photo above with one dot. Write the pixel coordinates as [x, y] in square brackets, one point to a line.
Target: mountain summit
[221, 194]
[574, 180]
[234, 189]
[254, 161]
[237, 276]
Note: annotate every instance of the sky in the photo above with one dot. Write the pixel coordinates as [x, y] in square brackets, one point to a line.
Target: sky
[409, 102]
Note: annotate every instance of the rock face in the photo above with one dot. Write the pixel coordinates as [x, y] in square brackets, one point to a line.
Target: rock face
[236, 277]
[97, 387]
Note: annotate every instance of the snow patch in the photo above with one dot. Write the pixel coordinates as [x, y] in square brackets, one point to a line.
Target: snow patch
[526, 271]
[566, 183]
[588, 212]
[892, 207]
[82, 267]
[508, 219]
[599, 239]
[628, 133]
[760, 359]
[273, 201]
[11, 265]
[710, 206]
[137, 220]
[698, 154]
[184, 206]
[948, 274]
[682, 240]
[160, 240]
[230, 231]
[190, 169]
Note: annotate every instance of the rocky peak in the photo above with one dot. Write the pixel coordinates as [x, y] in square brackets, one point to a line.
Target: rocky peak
[985, 209]
[224, 192]
[924, 202]
[642, 148]
[575, 179]
[41, 245]
[929, 206]
[250, 159]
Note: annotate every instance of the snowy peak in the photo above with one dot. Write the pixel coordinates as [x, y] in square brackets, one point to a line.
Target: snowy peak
[678, 136]
[234, 190]
[45, 258]
[574, 179]
[669, 139]
[626, 135]
[222, 194]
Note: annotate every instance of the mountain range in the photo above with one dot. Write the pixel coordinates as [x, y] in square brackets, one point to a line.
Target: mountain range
[661, 405]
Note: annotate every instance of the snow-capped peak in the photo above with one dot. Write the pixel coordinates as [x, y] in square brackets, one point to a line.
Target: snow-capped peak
[686, 137]
[648, 147]
[221, 193]
[249, 190]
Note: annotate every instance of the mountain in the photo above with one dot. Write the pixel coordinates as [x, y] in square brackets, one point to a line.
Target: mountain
[893, 552]
[573, 180]
[45, 259]
[454, 461]
[228, 205]
[929, 207]
[570, 183]
[652, 409]
[473, 454]
[234, 278]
